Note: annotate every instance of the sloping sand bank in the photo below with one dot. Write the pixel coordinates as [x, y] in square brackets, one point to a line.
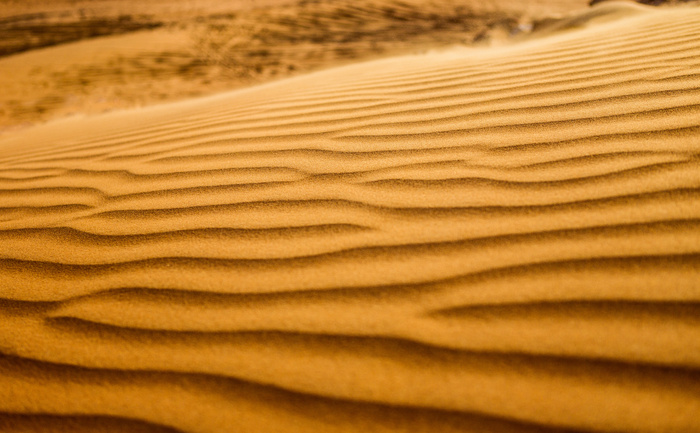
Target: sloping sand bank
[67, 57]
[485, 241]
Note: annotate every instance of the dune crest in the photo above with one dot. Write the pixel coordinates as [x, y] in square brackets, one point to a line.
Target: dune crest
[501, 240]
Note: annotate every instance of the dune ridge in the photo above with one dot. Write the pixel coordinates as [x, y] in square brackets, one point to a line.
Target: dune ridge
[503, 240]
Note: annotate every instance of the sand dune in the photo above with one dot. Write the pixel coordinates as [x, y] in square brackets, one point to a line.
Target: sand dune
[74, 57]
[496, 240]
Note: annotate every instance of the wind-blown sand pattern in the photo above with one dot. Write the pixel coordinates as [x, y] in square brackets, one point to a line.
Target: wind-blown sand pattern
[63, 58]
[502, 240]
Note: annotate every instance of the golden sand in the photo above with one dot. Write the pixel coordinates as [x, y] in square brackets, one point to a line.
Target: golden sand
[73, 57]
[476, 240]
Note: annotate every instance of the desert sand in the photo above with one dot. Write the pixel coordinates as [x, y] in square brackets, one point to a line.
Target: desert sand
[497, 239]
[76, 57]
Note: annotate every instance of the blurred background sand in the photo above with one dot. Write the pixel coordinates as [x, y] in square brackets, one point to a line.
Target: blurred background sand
[68, 57]
[75, 57]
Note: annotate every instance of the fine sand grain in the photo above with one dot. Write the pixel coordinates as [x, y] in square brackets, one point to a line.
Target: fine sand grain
[476, 240]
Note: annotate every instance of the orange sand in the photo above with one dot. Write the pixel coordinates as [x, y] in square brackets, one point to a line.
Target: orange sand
[74, 57]
[477, 240]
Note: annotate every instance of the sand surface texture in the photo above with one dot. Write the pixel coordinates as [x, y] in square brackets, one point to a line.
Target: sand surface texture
[501, 240]
[72, 57]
